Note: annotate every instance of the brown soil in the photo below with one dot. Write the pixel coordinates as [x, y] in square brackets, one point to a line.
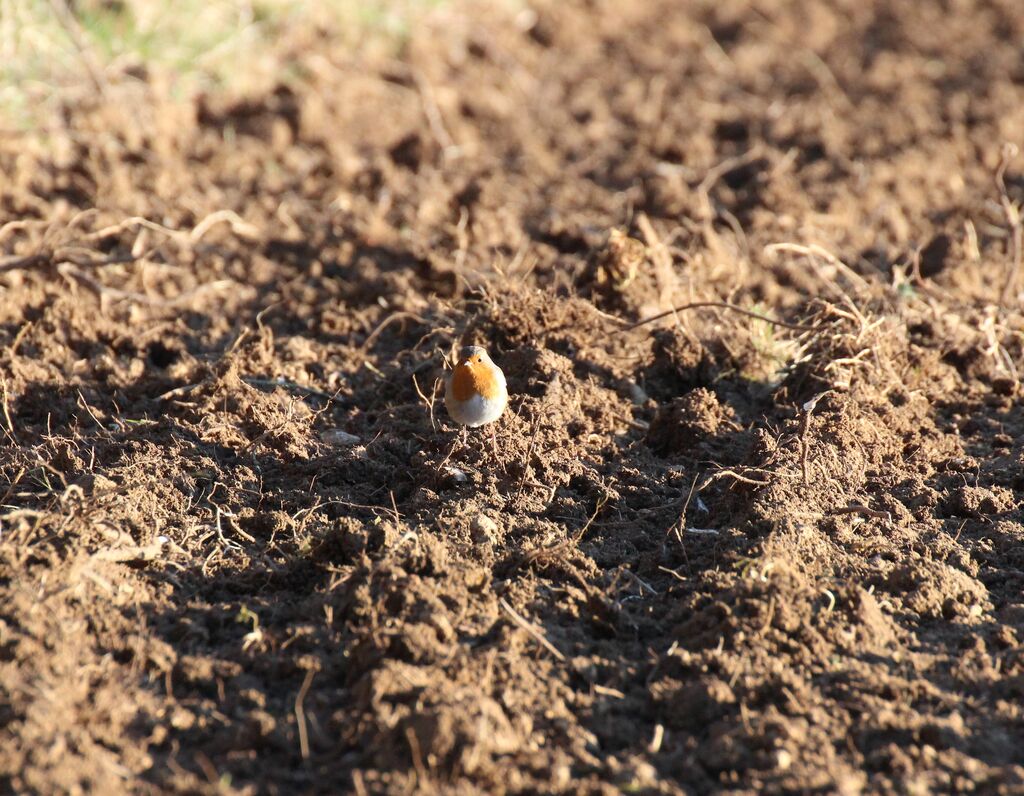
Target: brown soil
[710, 553]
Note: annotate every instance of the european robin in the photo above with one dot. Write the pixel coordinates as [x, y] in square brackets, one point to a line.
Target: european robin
[476, 393]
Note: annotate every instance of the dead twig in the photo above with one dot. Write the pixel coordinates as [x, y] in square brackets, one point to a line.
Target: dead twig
[395, 316]
[715, 173]
[19, 224]
[14, 262]
[552, 551]
[71, 273]
[177, 392]
[732, 474]
[66, 18]
[135, 221]
[529, 452]
[681, 522]
[530, 628]
[770, 614]
[433, 113]
[285, 384]
[10, 491]
[62, 256]
[24, 330]
[644, 585]
[604, 690]
[659, 735]
[300, 714]
[429, 402]
[723, 305]
[9, 429]
[238, 225]
[129, 554]
[83, 257]
[663, 272]
[422, 778]
[1013, 222]
[856, 508]
[601, 501]
[814, 250]
[805, 427]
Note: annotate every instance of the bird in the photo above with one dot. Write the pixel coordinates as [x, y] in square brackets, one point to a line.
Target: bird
[476, 394]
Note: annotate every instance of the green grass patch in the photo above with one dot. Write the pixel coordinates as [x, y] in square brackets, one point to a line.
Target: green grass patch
[193, 44]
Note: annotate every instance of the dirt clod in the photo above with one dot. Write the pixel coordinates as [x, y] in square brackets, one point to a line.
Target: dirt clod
[686, 422]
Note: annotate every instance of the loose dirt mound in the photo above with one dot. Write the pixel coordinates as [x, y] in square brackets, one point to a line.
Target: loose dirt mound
[240, 551]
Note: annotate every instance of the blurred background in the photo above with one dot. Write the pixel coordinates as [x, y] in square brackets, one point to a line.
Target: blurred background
[54, 48]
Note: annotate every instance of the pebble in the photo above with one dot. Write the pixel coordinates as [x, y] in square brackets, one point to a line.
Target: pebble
[338, 438]
[637, 394]
[484, 529]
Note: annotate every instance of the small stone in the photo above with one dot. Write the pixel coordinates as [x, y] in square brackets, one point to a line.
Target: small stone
[182, 719]
[338, 438]
[637, 394]
[637, 775]
[484, 529]
[457, 475]
[783, 759]
[561, 776]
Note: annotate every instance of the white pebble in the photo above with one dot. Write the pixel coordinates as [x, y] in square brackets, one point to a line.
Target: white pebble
[339, 438]
[458, 476]
[637, 394]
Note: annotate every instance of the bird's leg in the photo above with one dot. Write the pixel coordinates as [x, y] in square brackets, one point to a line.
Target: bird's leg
[494, 438]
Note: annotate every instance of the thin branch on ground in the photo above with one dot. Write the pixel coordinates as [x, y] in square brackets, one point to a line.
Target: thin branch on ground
[805, 427]
[743, 479]
[856, 508]
[814, 250]
[291, 386]
[9, 427]
[66, 18]
[300, 714]
[530, 628]
[1014, 224]
[715, 173]
[104, 292]
[723, 305]
[428, 402]
[395, 316]
[433, 113]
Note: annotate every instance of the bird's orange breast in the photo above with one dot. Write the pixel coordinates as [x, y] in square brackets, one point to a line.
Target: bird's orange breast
[474, 379]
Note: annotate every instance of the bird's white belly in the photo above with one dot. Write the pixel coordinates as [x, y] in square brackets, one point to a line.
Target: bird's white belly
[476, 411]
